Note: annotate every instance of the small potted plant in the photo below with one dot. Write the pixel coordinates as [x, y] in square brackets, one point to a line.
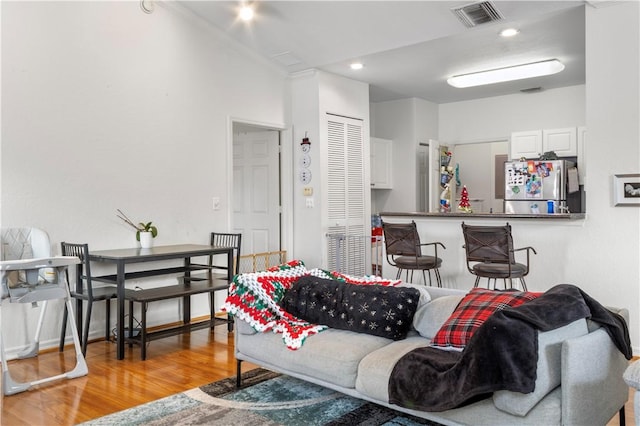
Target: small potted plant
[145, 232]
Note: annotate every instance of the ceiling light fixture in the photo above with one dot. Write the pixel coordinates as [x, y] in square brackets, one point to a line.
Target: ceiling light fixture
[146, 6]
[509, 32]
[517, 72]
[246, 13]
[356, 66]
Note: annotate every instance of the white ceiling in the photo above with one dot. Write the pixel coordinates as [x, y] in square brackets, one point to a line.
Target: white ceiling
[409, 48]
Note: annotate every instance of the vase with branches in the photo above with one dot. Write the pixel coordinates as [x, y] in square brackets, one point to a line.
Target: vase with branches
[140, 227]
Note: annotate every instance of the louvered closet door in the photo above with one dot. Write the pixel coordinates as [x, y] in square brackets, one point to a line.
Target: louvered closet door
[347, 225]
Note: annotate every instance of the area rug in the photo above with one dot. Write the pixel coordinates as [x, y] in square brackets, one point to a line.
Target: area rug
[266, 398]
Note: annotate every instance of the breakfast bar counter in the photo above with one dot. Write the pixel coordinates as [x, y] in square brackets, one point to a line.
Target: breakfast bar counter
[557, 238]
[501, 216]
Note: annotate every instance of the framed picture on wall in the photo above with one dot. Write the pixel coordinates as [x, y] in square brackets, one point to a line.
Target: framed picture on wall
[626, 190]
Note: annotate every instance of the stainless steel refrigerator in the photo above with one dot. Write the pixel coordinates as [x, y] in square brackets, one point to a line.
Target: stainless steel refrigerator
[539, 186]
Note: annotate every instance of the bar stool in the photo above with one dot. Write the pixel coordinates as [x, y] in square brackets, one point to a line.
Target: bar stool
[490, 249]
[404, 251]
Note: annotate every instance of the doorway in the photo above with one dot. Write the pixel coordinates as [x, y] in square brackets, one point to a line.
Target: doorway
[479, 172]
[422, 167]
[256, 190]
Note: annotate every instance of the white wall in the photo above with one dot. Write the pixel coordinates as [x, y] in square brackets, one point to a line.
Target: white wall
[106, 107]
[495, 118]
[305, 116]
[314, 94]
[606, 255]
[477, 172]
[407, 122]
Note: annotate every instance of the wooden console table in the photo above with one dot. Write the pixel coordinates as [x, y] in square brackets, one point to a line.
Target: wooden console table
[123, 257]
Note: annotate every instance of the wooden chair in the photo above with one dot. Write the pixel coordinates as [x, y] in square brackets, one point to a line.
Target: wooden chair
[404, 251]
[490, 254]
[86, 291]
[226, 240]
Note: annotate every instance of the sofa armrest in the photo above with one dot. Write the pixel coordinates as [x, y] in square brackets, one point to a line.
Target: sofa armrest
[593, 389]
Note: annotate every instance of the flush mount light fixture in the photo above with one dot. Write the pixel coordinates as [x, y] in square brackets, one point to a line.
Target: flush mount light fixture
[246, 13]
[356, 66]
[509, 32]
[517, 72]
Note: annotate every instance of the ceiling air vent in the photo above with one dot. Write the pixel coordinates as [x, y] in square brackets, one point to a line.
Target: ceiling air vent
[477, 13]
[287, 59]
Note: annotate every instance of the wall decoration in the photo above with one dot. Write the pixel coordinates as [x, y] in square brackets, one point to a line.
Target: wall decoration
[305, 160]
[626, 190]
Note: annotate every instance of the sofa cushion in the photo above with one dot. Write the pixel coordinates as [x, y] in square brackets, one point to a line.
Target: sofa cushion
[375, 368]
[430, 317]
[631, 377]
[425, 296]
[332, 356]
[378, 310]
[472, 311]
[548, 370]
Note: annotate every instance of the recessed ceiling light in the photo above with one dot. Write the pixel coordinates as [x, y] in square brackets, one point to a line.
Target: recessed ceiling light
[246, 13]
[509, 32]
[356, 66]
[517, 72]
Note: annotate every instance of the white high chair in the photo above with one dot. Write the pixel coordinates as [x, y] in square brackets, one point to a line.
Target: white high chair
[29, 274]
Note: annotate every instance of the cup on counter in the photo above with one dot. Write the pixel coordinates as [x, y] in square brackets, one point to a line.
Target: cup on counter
[550, 207]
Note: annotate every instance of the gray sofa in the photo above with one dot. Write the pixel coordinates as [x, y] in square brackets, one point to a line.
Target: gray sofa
[579, 371]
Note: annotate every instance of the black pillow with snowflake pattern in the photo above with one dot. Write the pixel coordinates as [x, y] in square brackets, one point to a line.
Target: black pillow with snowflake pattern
[373, 309]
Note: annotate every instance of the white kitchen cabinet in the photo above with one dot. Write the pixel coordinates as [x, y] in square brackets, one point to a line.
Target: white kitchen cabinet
[381, 163]
[563, 142]
[532, 144]
[526, 144]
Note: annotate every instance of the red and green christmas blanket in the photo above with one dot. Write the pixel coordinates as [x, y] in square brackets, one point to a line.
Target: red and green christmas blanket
[253, 297]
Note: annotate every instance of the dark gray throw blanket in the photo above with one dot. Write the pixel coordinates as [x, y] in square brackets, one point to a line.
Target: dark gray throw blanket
[379, 310]
[501, 355]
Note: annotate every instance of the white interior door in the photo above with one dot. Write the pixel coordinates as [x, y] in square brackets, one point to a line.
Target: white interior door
[256, 187]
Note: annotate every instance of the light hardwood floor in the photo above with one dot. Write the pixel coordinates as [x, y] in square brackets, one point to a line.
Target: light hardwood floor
[173, 365]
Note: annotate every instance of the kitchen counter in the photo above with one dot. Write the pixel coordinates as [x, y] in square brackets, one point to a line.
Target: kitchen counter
[557, 239]
[501, 216]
